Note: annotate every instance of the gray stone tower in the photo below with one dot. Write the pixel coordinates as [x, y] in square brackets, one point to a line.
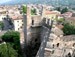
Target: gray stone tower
[43, 11]
[27, 24]
[32, 31]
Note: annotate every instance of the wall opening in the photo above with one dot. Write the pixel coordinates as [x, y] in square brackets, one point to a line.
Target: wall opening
[32, 22]
[48, 21]
[57, 44]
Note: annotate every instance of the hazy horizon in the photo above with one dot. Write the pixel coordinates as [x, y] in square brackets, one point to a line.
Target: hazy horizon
[50, 2]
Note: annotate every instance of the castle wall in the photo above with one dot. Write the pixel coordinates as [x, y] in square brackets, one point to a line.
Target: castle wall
[44, 38]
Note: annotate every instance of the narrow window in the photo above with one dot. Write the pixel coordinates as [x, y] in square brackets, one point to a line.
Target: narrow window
[18, 28]
[21, 27]
[73, 44]
[53, 45]
[17, 21]
[32, 22]
[36, 40]
[48, 21]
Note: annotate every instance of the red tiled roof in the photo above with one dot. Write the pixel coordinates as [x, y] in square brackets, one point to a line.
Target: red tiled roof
[60, 26]
[17, 17]
[50, 12]
[70, 18]
[67, 14]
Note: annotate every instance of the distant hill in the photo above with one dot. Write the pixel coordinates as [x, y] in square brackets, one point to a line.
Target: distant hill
[50, 2]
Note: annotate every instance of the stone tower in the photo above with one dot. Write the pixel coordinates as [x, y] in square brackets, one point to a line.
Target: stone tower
[31, 33]
[43, 11]
[27, 24]
[28, 17]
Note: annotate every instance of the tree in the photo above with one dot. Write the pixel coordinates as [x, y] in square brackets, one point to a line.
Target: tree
[64, 10]
[1, 25]
[3, 50]
[13, 38]
[7, 51]
[33, 11]
[24, 9]
[11, 52]
[68, 29]
[58, 9]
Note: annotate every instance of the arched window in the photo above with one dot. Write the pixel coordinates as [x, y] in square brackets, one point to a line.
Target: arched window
[69, 54]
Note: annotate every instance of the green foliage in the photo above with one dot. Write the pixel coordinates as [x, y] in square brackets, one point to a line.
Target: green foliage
[7, 51]
[68, 29]
[33, 11]
[3, 50]
[1, 25]
[13, 38]
[64, 10]
[73, 8]
[60, 20]
[24, 9]
[11, 51]
[58, 9]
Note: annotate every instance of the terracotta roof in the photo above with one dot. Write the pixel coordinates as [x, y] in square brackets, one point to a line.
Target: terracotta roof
[68, 38]
[70, 18]
[73, 15]
[69, 14]
[57, 31]
[60, 15]
[51, 12]
[36, 17]
[60, 26]
[17, 17]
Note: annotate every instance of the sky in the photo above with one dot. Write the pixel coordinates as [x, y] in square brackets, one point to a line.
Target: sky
[2, 2]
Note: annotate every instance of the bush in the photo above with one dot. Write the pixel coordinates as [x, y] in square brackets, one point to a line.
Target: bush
[64, 10]
[13, 38]
[60, 20]
[68, 29]
[6, 50]
[33, 11]
[24, 9]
